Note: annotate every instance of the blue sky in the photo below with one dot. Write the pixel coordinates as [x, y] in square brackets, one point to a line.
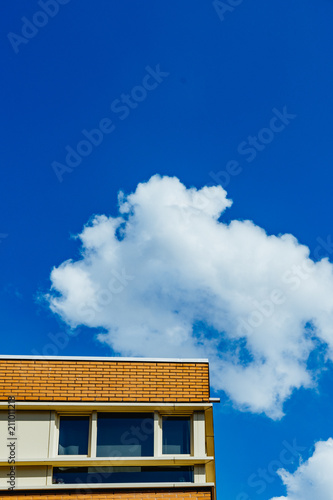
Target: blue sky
[220, 80]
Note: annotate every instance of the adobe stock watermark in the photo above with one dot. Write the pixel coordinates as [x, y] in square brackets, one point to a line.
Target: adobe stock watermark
[121, 108]
[130, 441]
[87, 311]
[104, 296]
[132, 438]
[250, 148]
[253, 145]
[3, 236]
[223, 8]
[262, 477]
[57, 342]
[11, 442]
[31, 27]
[293, 278]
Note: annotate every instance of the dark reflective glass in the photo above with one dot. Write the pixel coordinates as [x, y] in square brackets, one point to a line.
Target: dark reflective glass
[73, 435]
[176, 435]
[125, 435]
[91, 475]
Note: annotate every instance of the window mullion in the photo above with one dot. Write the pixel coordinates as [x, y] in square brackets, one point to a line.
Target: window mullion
[55, 448]
[199, 444]
[53, 436]
[157, 434]
[93, 434]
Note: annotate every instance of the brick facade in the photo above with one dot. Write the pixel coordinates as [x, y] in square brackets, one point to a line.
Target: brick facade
[108, 381]
[174, 494]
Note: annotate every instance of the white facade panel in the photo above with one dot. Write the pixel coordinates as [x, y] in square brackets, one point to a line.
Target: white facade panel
[25, 477]
[32, 429]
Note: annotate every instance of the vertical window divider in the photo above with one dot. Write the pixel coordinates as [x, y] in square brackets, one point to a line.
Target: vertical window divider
[199, 474]
[157, 434]
[199, 445]
[193, 430]
[49, 475]
[93, 435]
[54, 451]
[52, 435]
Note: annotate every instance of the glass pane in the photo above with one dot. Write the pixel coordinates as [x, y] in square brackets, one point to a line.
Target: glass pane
[176, 435]
[91, 475]
[73, 435]
[125, 435]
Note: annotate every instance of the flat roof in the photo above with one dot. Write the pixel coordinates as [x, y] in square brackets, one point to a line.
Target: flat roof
[103, 358]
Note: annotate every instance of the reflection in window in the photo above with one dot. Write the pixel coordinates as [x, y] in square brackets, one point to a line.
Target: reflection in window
[95, 475]
[125, 435]
[73, 435]
[176, 435]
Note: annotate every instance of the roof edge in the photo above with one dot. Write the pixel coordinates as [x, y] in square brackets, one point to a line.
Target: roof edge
[104, 358]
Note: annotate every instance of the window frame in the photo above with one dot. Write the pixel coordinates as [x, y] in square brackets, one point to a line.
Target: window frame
[197, 431]
[57, 432]
[182, 455]
[192, 471]
[197, 434]
[94, 443]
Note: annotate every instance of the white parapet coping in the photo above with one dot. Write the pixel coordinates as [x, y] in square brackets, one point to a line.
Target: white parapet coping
[103, 358]
[108, 405]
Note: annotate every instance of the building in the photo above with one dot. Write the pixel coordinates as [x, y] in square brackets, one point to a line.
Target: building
[106, 428]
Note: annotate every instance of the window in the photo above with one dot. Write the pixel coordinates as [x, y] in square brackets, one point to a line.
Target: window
[89, 475]
[125, 435]
[176, 435]
[73, 435]
[109, 434]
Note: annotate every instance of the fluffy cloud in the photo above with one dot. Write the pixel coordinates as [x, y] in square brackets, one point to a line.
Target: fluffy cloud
[313, 479]
[168, 278]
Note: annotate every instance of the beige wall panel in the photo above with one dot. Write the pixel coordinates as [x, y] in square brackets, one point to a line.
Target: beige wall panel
[24, 476]
[31, 432]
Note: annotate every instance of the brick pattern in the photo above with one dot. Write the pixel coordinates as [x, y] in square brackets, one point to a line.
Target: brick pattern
[111, 381]
[107, 495]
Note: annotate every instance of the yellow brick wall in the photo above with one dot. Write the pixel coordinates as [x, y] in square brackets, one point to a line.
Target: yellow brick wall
[164, 494]
[62, 380]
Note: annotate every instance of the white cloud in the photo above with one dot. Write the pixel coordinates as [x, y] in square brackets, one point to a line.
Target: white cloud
[167, 278]
[313, 480]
